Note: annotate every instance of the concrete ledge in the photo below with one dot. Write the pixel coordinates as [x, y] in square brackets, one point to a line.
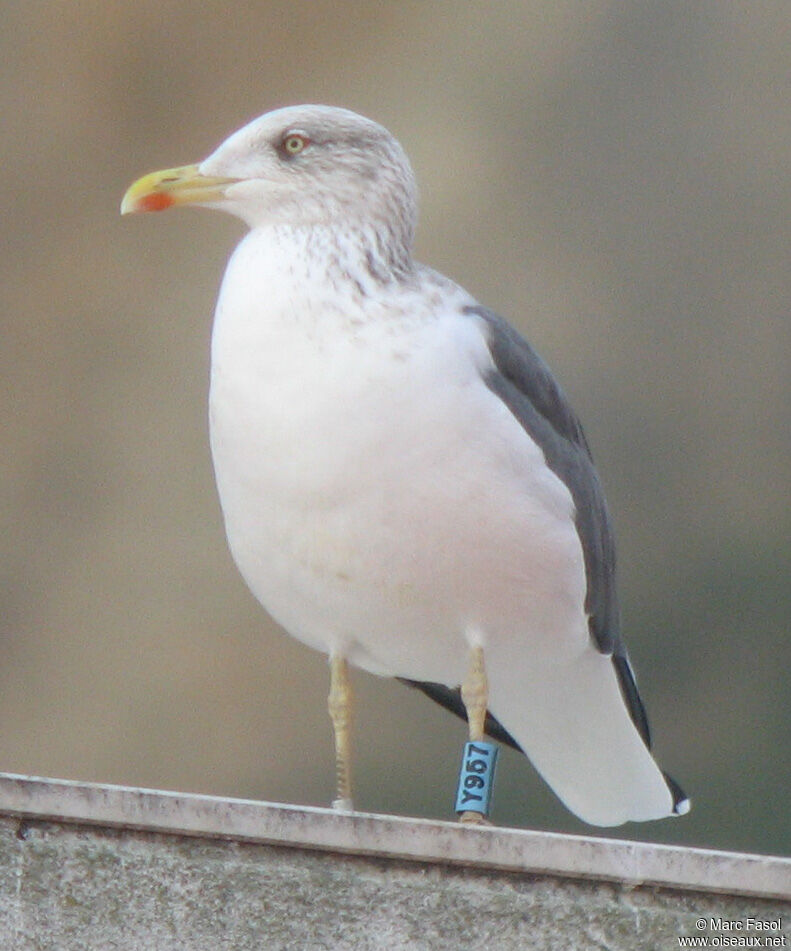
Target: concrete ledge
[91, 866]
[421, 840]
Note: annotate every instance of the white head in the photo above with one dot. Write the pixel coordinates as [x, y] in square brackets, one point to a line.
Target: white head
[301, 167]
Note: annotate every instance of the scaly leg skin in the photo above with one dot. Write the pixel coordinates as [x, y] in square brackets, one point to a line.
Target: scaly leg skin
[475, 695]
[339, 705]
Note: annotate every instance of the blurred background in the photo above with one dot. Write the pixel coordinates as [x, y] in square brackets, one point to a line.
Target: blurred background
[611, 176]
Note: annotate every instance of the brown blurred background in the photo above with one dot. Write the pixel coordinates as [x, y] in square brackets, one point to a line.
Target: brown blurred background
[612, 176]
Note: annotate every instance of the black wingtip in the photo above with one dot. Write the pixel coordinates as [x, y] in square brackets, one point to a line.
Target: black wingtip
[450, 698]
[628, 685]
[681, 802]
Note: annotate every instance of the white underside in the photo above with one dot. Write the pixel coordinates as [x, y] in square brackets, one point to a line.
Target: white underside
[381, 502]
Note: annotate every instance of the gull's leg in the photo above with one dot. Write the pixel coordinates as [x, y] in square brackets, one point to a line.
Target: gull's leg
[339, 705]
[475, 695]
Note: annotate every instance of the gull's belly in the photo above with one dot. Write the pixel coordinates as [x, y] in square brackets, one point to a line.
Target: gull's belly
[397, 529]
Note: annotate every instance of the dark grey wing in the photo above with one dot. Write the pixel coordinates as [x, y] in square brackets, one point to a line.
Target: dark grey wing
[525, 384]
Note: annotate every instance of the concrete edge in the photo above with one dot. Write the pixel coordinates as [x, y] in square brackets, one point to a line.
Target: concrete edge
[418, 840]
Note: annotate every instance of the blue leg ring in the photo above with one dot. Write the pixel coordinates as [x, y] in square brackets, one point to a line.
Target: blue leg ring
[476, 777]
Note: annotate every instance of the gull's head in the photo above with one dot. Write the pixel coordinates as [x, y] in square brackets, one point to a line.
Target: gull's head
[301, 166]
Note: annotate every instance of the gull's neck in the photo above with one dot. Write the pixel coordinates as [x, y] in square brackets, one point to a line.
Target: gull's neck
[321, 262]
[367, 256]
[312, 281]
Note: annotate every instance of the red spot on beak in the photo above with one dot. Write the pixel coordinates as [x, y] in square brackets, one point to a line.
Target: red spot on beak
[156, 201]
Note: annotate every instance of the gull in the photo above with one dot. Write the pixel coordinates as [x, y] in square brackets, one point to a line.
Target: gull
[404, 485]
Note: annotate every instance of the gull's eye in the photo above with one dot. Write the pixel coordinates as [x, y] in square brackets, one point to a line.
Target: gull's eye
[294, 142]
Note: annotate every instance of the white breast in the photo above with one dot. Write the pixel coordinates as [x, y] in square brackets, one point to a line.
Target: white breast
[376, 494]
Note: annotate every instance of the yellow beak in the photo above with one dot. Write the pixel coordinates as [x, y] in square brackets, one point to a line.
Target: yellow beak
[173, 186]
